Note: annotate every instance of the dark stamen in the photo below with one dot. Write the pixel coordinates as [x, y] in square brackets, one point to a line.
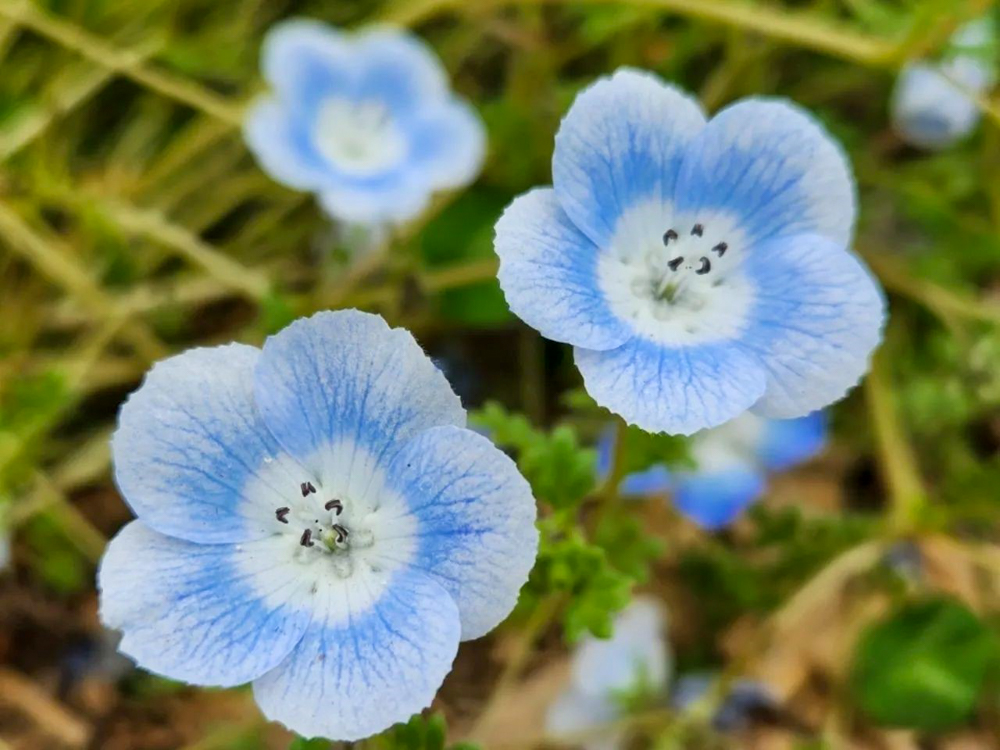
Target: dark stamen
[280, 514]
[306, 540]
[675, 263]
[307, 488]
[670, 234]
[697, 230]
[706, 266]
[720, 249]
[342, 533]
[335, 505]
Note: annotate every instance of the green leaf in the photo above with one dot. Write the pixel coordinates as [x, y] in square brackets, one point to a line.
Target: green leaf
[924, 666]
[317, 743]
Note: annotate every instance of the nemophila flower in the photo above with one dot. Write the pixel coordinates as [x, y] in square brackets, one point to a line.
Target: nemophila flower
[699, 268]
[606, 674]
[366, 121]
[933, 105]
[313, 517]
[731, 465]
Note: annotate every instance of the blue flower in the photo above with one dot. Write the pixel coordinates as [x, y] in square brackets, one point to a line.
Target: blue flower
[313, 517]
[699, 269]
[932, 104]
[731, 465]
[365, 121]
[603, 672]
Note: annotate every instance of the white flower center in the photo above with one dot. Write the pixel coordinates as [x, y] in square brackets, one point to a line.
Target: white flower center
[336, 535]
[677, 279]
[360, 138]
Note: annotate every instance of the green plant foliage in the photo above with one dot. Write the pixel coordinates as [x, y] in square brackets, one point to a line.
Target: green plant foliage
[419, 733]
[560, 470]
[924, 666]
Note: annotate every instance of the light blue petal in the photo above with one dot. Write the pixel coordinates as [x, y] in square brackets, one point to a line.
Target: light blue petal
[400, 69]
[787, 442]
[656, 480]
[396, 197]
[652, 481]
[306, 62]
[675, 390]
[192, 457]
[189, 611]
[346, 375]
[377, 667]
[447, 144]
[715, 499]
[929, 110]
[548, 273]
[621, 142]
[818, 318]
[283, 147]
[636, 655]
[773, 168]
[475, 521]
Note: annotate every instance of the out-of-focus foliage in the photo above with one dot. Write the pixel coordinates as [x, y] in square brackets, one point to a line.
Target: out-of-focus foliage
[926, 666]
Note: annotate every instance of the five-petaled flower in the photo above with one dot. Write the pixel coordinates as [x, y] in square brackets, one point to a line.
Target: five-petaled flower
[731, 465]
[635, 663]
[699, 269]
[365, 121]
[933, 105]
[314, 517]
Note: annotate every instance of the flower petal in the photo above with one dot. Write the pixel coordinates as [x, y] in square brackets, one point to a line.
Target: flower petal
[346, 376]
[361, 668]
[678, 390]
[787, 442]
[574, 713]
[306, 62]
[621, 142]
[193, 458]
[475, 521]
[400, 69]
[636, 655]
[192, 612]
[714, 499]
[929, 110]
[818, 318]
[770, 166]
[283, 148]
[548, 273]
[448, 144]
[396, 197]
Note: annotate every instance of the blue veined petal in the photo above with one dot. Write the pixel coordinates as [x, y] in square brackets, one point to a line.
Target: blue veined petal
[548, 273]
[308, 61]
[192, 457]
[787, 442]
[355, 674]
[621, 142]
[773, 168]
[714, 499]
[818, 318]
[675, 390]
[192, 612]
[281, 144]
[400, 69]
[475, 521]
[346, 376]
[447, 144]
